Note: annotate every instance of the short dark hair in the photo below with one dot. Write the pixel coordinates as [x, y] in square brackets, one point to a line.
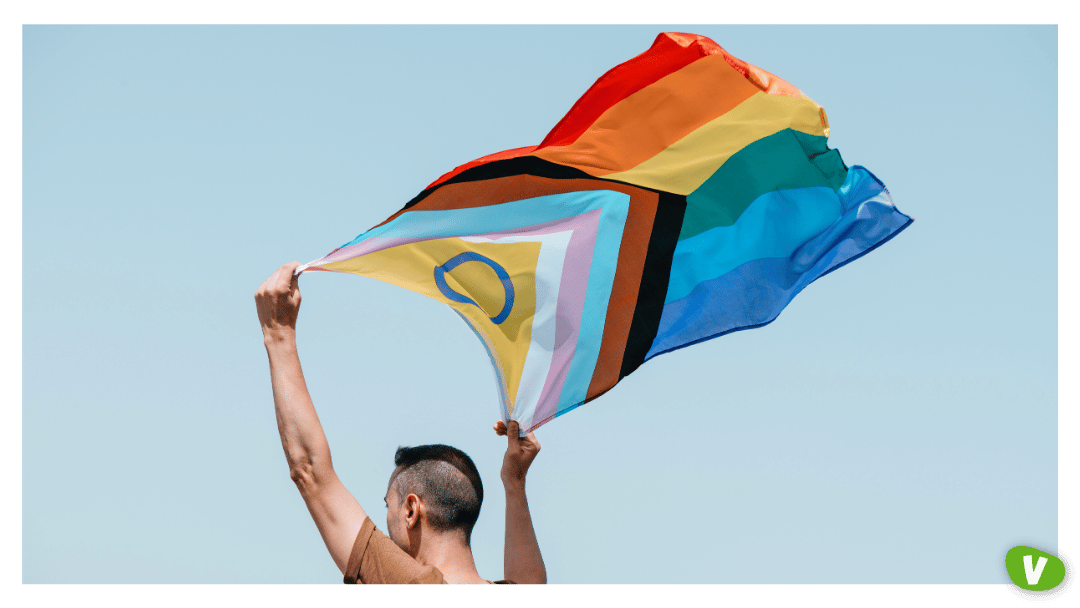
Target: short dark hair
[448, 482]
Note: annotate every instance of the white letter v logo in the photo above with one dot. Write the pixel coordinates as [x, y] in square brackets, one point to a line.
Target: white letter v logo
[1033, 575]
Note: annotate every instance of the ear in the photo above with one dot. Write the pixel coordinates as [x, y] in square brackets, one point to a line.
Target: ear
[412, 507]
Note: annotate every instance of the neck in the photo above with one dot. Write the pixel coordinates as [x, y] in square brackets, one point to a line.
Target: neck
[450, 554]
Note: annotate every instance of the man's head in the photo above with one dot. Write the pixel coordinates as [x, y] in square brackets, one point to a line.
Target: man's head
[433, 486]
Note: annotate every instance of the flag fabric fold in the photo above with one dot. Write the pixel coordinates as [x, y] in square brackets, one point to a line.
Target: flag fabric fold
[687, 194]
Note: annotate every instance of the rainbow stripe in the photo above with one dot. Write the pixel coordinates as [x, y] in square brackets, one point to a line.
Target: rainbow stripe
[686, 195]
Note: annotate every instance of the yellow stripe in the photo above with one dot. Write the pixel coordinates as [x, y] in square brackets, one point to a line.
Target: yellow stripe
[687, 163]
[412, 266]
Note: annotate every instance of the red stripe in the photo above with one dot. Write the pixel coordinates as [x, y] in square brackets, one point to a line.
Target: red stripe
[670, 52]
[482, 160]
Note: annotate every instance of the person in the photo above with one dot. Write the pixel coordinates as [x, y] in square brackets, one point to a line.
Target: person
[434, 494]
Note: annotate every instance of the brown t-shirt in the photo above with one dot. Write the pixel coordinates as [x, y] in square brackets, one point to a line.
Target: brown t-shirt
[377, 559]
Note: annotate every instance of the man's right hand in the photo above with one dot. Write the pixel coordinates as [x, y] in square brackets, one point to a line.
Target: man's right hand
[278, 303]
[337, 514]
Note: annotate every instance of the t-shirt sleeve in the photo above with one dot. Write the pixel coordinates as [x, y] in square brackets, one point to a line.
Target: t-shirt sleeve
[377, 559]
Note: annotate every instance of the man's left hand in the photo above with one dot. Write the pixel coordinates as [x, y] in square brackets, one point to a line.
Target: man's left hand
[520, 452]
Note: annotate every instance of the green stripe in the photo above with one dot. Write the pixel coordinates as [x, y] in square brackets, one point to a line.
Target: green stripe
[778, 162]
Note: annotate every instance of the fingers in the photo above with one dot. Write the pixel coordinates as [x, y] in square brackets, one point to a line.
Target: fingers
[286, 279]
[513, 432]
[532, 438]
[294, 284]
[275, 279]
[267, 283]
[281, 279]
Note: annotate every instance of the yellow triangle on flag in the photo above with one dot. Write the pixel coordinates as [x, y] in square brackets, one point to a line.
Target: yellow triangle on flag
[452, 269]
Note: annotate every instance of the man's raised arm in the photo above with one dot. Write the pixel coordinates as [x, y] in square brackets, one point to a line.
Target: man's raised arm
[336, 512]
[522, 562]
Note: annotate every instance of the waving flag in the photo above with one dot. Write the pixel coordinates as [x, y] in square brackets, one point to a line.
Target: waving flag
[686, 195]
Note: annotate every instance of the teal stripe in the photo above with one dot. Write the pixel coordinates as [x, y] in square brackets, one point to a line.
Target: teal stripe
[782, 161]
[774, 225]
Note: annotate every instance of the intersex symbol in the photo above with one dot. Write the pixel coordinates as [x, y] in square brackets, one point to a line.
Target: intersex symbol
[468, 256]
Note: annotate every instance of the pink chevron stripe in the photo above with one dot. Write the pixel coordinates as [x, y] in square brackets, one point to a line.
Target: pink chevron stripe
[572, 286]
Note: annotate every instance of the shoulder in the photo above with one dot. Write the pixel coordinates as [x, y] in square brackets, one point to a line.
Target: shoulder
[375, 559]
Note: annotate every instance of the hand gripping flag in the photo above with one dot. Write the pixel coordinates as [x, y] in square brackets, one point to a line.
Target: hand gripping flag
[686, 195]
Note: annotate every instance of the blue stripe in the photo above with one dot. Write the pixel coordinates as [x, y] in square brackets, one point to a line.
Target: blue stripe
[756, 292]
[773, 226]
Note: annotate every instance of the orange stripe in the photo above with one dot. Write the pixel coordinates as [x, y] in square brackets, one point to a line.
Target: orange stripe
[669, 53]
[645, 123]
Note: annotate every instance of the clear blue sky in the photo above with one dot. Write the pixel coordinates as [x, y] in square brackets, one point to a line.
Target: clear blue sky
[169, 170]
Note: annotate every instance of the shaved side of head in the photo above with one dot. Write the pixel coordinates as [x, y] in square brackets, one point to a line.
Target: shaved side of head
[446, 480]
